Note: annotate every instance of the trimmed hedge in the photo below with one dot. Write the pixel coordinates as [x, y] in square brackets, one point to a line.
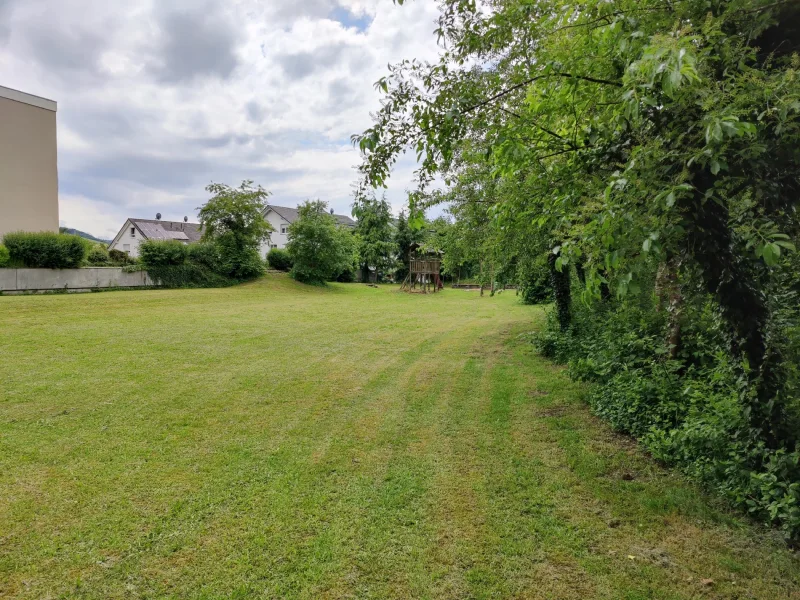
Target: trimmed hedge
[279, 259]
[46, 250]
[157, 253]
[4, 256]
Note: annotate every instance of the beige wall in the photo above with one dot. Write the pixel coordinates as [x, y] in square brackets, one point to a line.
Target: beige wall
[28, 163]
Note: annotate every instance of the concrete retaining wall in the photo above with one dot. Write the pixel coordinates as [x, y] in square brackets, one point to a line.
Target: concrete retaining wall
[38, 280]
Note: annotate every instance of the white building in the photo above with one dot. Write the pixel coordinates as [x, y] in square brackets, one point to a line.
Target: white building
[280, 217]
[135, 231]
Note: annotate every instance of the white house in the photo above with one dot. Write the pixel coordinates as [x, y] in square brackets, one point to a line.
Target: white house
[135, 231]
[280, 217]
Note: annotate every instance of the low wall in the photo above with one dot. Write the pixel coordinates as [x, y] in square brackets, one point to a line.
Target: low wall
[41, 280]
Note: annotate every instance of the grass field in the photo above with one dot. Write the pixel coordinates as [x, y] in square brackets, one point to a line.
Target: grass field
[274, 440]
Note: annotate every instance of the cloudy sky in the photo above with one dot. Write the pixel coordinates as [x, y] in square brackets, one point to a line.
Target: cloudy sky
[157, 98]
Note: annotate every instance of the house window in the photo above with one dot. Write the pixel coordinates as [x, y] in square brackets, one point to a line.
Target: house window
[274, 245]
[126, 247]
[133, 231]
[284, 229]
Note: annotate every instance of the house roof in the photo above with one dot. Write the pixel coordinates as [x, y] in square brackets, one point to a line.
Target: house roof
[290, 215]
[169, 230]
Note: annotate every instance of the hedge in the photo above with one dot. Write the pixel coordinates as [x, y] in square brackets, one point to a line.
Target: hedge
[46, 250]
[205, 254]
[157, 253]
[98, 256]
[279, 259]
[188, 275]
[4, 256]
[118, 257]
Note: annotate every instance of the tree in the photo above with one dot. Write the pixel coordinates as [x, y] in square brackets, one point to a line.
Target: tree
[652, 149]
[376, 247]
[233, 219]
[644, 130]
[404, 239]
[320, 248]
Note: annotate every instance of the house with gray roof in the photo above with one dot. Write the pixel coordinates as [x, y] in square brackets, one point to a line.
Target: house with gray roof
[280, 217]
[135, 231]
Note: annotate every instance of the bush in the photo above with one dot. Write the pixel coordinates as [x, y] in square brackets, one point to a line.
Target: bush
[46, 250]
[4, 256]
[533, 278]
[188, 275]
[279, 259]
[98, 256]
[158, 253]
[118, 257]
[205, 254]
[685, 409]
[348, 275]
[237, 260]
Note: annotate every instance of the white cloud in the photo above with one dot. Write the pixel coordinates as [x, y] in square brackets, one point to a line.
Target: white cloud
[157, 99]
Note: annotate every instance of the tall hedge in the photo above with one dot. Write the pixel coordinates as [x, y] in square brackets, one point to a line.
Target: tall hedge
[46, 250]
[158, 253]
[4, 256]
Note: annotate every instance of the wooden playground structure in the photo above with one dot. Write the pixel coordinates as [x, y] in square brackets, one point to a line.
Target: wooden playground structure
[423, 274]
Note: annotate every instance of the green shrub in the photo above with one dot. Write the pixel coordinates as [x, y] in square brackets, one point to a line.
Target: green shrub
[118, 257]
[98, 256]
[685, 409]
[533, 277]
[46, 250]
[188, 275]
[158, 253]
[238, 260]
[205, 254]
[279, 259]
[4, 256]
[348, 275]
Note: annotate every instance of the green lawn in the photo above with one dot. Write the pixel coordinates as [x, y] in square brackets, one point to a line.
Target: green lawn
[274, 440]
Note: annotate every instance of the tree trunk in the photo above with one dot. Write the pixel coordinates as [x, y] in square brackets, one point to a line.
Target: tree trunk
[671, 296]
[732, 280]
[580, 272]
[561, 292]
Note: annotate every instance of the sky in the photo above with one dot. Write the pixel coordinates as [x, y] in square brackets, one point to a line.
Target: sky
[158, 98]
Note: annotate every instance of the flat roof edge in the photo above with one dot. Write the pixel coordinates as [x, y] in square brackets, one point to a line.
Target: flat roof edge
[37, 101]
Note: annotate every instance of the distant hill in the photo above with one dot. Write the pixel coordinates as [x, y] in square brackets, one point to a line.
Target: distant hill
[83, 234]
